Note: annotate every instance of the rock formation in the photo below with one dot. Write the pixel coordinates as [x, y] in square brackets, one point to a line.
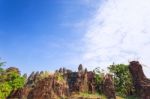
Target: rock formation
[49, 88]
[63, 83]
[21, 93]
[141, 83]
[108, 87]
[81, 81]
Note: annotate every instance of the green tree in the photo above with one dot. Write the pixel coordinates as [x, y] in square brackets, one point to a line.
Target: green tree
[16, 81]
[122, 79]
[5, 90]
[99, 75]
[10, 79]
[98, 78]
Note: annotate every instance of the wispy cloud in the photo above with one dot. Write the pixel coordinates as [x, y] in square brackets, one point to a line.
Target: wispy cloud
[119, 31]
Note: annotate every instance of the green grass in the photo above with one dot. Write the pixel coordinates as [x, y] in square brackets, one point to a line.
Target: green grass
[97, 95]
[132, 97]
[128, 97]
[86, 95]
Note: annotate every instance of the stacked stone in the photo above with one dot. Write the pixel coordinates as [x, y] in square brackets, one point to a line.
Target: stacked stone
[108, 87]
[21, 93]
[49, 88]
[61, 84]
[141, 83]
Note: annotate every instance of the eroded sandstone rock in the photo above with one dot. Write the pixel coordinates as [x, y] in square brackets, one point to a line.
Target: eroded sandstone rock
[63, 83]
[51, 87]
[141, 83]
[21, 93]
[108, 87]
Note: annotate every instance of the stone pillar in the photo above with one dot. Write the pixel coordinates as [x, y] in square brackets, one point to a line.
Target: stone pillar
[108, 87]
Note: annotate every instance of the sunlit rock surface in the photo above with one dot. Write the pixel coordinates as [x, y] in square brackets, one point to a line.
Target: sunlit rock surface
[141, 83]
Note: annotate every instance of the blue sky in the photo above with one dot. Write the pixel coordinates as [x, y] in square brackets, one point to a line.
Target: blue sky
[41, 35]
[45, 35]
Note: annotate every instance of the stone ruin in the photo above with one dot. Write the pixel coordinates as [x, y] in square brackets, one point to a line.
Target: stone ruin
[48, 88]
[141, 83]
[108, 87]
[21, 93]
[63, 83]
[81, 81]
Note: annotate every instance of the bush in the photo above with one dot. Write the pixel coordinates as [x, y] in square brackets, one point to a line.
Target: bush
[122, 79]
[10, 79]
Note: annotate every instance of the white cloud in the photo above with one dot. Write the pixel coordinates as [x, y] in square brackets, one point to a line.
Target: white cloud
[119, 31]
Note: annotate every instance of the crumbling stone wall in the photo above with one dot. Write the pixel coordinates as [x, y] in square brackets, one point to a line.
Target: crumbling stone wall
[108, 87]
[49, 88]
[141, 83]
[61, 84]
[21, 93]
[81, 81]
[91, 82]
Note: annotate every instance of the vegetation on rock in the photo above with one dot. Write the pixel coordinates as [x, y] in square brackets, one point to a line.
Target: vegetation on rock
[122, 79]
[65, 83]
[10, 79]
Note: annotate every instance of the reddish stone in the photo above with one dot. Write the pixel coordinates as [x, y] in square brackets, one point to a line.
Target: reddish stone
[141, 83]
[108, 87]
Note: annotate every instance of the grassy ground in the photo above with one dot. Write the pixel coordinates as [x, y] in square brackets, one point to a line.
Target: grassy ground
[92, 96]
[87, 95]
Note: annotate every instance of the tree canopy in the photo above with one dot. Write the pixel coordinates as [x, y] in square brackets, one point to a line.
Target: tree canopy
[10, 79]
[122, 79]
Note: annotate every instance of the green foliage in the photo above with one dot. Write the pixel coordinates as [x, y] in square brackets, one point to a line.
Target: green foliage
[59, 77]
[16, 81]
[132, 97]
[88, 96]
[98, 78]
[10, 79]
[99, 75]
[122, 79]
[5, 90]
[44, 75]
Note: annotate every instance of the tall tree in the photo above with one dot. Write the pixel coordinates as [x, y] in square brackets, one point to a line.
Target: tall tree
[122, 79]
[98, 78]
